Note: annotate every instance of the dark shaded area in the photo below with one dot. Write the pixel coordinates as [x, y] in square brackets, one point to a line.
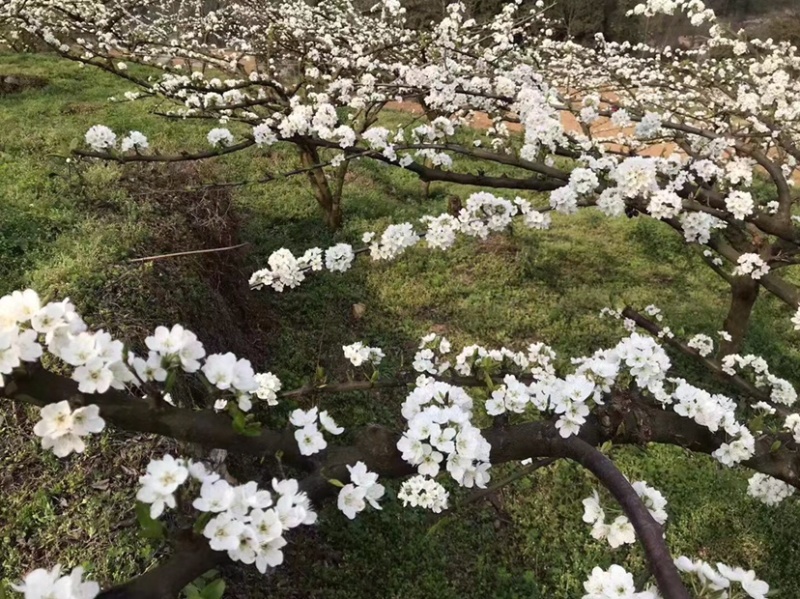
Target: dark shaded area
[14, 84]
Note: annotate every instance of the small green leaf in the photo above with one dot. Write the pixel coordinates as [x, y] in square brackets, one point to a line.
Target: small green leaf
[170, 382]
[441, 523]
[775, 446]
[252, 429]
[151, 529]
[336, 482]
[757, 423]
[191, 591]
[375, 376]
[214, 590]
[201, 522]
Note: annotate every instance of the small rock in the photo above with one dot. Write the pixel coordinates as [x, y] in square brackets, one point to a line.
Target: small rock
[359, 310]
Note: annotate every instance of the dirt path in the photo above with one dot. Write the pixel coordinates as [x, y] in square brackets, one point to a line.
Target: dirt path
[602, 126]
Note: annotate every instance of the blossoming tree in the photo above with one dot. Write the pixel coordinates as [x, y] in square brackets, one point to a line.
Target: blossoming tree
[681, 137]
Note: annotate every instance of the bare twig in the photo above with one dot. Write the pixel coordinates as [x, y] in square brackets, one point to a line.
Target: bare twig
[189, 253]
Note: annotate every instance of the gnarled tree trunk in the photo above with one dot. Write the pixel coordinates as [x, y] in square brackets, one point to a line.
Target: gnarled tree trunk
[744, 292]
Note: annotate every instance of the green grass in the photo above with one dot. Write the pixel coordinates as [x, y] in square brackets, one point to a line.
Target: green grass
[68, 230]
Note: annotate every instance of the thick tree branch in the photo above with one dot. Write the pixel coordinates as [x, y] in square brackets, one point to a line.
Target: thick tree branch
[192, 558]
[648, 531]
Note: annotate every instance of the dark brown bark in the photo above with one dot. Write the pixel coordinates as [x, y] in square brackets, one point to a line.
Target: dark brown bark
[648, 531]
[192, 558]
[329, 202]
[744, 293]
[627, 418]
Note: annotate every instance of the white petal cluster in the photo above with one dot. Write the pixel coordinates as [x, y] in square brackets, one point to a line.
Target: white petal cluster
[395, 240]
[363, 488]
[169, 348]
[424, 492]
[17, 342]
[62, 428]
[697, 226]
[135, 140]
[665, 204]
[792, 424]
[96, 358]
[796, 320]
[781, 390]
[358, 354]
[100, 138]
[263, 135]
[702, 343]
[768, 490]
[484, 213]
[429, 357]
[440, 430]
[249, 523]
[99, 364]
[752, 265]
[636, 176]
[220, 137]
[339, 257]
[308, 436]
[740, 204]
[614, 583]
[284, 271]
[268, 387]
[723, 578]
[235, 375]
[46, 584]
[159, 483]
[620, 531]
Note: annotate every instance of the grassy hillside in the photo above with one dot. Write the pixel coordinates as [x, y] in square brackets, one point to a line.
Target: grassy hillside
[69, 229]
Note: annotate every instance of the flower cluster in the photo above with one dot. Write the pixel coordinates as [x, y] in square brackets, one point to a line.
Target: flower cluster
[135, 140]
[715, 412]
[484, 213]
[100, 138]
[429, 357]
[781, 390]
[358, 353]
[614, 583]
[722, 578]
[243, 520]
[61, 428]
[768, 490]
[268, 387]
[101, 363]
[308, 436]
[751, 264]
[41, 583]
[220, 138]
[620, 531]
[440, 429]
[363, 488]
[740, 204]
[339, 257]
[424, 492]
[702, 343]
[159, 483]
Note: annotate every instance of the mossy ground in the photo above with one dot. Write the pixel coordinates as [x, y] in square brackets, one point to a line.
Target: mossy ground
[69, 230]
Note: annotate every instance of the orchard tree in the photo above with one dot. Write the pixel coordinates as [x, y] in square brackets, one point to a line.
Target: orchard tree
[692, 139]
[704, 141]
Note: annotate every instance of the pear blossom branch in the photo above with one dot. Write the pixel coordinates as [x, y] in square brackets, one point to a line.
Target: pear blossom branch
[713, 366]
[183, 157]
